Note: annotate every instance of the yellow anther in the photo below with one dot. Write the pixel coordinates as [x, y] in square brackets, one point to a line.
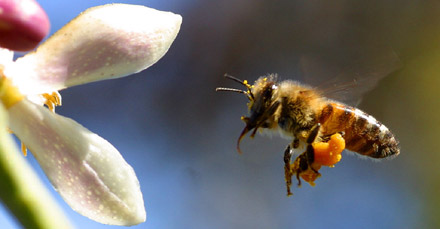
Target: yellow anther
[57, 97]
[52, 100]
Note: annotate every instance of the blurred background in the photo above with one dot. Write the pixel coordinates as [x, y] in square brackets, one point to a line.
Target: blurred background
[179, 135]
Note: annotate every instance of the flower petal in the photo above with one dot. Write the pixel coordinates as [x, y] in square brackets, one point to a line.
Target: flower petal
[21, 189]
[103, 42]
[85, 169]
[6, 56]
[23, 24]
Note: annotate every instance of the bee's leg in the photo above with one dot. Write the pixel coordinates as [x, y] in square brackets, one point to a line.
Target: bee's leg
[287, 169]
[301, 164]
[288, 166]
[303, 167]
[313, 133]
[297, 178]
[310, 150]
[310, 155]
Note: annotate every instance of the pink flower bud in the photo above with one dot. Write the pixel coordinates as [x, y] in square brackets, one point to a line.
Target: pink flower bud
[23, 24]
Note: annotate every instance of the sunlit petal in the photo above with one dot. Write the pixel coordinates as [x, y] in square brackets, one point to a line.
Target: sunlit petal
[103, 42]
[20, 188]
[23, 24]
[6, 57]
[86, 170]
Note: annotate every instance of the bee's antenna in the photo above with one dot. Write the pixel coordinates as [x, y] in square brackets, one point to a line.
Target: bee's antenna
[226, 75]
[242, 82]
[230, 89]
[235, 90]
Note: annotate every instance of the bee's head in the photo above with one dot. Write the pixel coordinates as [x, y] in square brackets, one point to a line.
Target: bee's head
[261, 105]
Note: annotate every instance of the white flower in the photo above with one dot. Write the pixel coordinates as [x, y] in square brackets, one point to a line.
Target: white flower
[103, 42]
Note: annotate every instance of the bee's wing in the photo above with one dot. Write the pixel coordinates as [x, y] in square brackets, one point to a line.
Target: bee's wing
[347, 82]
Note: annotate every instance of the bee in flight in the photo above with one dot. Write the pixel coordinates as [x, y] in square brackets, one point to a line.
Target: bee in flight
[302, 114]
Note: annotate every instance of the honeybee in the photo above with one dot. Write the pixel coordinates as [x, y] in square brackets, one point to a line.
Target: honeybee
[303, 114]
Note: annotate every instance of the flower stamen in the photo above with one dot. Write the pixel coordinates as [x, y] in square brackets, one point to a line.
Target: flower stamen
[52, 100]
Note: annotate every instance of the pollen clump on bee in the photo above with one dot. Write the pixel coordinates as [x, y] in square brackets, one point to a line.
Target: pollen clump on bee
[325, 153]
[329, 153]
[246, 83]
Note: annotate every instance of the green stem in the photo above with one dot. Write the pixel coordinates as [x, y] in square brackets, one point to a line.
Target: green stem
[20, 188]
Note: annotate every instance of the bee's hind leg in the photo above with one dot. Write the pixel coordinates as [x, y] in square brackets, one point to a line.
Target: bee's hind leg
[302, 166]
[303, 163]
[310, 155]
[313, 133]
[310, 152]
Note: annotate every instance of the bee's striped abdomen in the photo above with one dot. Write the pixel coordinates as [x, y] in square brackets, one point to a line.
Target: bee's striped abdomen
[363, 134]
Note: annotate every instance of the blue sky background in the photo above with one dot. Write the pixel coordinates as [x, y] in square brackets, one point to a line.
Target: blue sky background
[179, 135]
